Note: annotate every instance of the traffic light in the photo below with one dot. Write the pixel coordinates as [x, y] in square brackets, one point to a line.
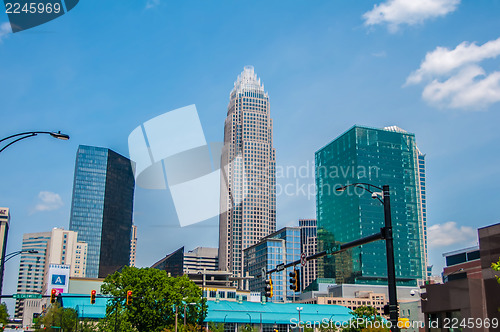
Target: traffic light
[129, 297]
[92, 296]
[295, 280]
[53, 294]
[269, 287]
[387, 311]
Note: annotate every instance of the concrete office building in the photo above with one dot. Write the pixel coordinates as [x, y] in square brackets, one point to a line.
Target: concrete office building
[201, 259]
[101, 208]
[57, 247]
[133, 245]
[65, 249]
[4, 232]
[32, 267]
[80, 262]
[378, 157]
[248, 173]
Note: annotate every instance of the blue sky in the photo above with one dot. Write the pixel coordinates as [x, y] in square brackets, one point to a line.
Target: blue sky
[104, 68]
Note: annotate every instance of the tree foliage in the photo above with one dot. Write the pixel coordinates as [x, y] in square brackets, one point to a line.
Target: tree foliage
[4, 314]
[496, 267]
[247, 328]
[365, 314]
[57, 317]
[156, 296]
[215, 327]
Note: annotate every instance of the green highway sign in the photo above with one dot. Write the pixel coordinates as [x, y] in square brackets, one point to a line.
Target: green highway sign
[27, 296]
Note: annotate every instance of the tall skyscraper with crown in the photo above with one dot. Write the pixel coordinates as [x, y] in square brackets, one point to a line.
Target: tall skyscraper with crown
[248, 179]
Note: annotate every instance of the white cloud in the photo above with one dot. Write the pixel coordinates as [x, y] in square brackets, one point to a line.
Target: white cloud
[48, 201]
[381, 54]
[442, 235]
[4, 30]
[443, 61]
[465, 89]
[411, 12]
[152, 3]
[454, 79]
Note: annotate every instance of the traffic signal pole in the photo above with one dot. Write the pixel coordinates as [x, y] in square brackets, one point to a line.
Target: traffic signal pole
[384, 234]
[336, 250]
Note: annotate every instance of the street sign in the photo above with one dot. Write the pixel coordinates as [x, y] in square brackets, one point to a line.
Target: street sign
[263, 273]
[280, 267]
[303, 259]
[333, 249]
[27, 296]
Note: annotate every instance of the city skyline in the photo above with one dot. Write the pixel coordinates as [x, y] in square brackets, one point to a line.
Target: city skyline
[327, 66]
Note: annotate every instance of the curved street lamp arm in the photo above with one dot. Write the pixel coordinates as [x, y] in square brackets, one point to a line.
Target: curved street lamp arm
[17, 140]
[16, 253]
[27, 134]
[32, 133]
[364, 186]
[360, 185]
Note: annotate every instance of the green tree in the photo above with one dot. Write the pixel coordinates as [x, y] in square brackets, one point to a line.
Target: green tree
[248, 328]
[56, 318]
[112, 324]
[215, 327]
[4, 314]
[155, 298]
[364, 315]
[496, 267]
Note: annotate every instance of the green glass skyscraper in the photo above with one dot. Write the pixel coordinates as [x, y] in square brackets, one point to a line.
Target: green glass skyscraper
[379, 157]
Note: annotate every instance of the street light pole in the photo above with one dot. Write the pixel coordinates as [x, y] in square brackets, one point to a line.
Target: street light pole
[391, 269]
[299, 309]
[16, 138]
[387, 235]
[6, 258]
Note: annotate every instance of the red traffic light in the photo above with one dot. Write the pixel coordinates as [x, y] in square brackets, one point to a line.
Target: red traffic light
[92, 296]
[53, 294]
[129, 297]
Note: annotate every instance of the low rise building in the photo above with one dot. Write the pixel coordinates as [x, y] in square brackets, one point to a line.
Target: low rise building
[470, 289]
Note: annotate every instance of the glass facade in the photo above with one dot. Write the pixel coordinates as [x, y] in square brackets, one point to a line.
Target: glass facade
[379, 157]
[101, 210]
[282, 246]
[172, 263]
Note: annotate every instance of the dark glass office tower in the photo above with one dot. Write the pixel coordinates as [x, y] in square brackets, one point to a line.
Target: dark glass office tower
[101, 210]
[378, 157]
